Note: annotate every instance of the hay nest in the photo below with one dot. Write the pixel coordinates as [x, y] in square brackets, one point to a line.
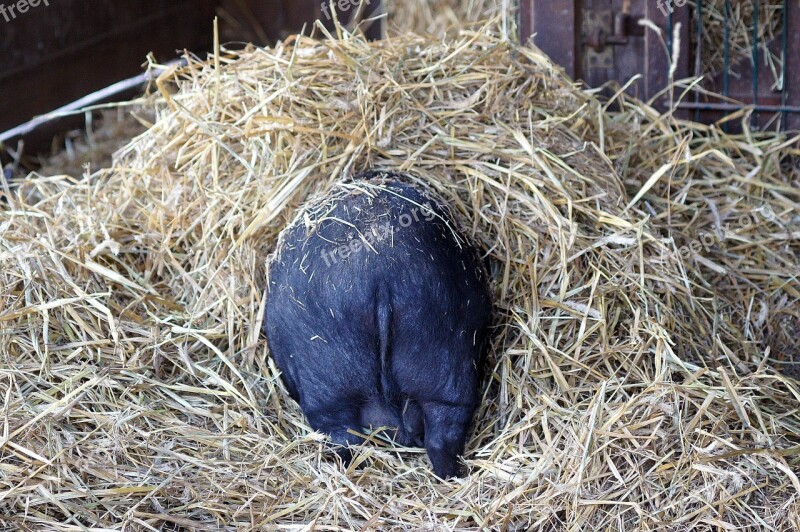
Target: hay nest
[138, 393]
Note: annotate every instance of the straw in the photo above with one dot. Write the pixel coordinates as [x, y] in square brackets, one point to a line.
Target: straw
[629, 386]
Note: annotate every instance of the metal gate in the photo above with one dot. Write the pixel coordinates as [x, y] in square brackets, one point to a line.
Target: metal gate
[603, 40]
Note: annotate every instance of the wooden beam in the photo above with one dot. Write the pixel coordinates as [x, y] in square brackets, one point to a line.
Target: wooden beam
[555, 28]
[55, 54]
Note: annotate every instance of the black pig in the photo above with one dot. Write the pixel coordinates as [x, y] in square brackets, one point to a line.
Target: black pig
[377, 313]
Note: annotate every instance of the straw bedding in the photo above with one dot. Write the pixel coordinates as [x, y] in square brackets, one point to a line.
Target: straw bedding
[630, 384]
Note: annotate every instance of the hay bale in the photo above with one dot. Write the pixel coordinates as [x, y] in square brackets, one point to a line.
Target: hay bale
[137, 391]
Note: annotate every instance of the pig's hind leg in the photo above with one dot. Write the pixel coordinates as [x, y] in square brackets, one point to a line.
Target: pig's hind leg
[337, 421]
[446, 427]
[413, 428]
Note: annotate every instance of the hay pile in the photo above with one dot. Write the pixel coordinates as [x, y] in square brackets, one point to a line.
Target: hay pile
[137, 391]
[735, 216]
[438, 17]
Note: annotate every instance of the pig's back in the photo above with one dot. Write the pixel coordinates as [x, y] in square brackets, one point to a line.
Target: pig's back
[410, 265]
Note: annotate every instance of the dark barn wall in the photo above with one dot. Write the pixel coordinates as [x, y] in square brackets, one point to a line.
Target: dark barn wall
[54, 54]
[57, 51]
[265, 21]
[597, 41]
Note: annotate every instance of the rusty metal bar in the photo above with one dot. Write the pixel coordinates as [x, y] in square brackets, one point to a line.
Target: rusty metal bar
[670, 29]
[709, 106]
[698, 56]
[792, 60]
[726, 51]
[726, 58]
[755, 57]
[785, 62]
